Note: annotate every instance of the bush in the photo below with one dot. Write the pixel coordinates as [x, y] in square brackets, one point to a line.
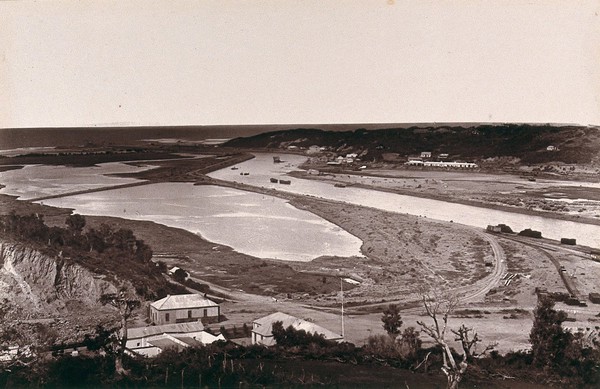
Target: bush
[290, 337]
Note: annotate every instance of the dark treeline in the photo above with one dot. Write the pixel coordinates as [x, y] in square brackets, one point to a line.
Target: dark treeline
[105, 250]
[121, 242]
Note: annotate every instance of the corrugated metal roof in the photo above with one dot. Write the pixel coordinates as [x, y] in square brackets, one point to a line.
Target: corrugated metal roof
[166, 342]
[183, 301]
[179, 328]
[266, 325]
[188, 340]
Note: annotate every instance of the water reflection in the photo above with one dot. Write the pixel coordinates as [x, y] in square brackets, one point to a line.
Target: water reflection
[254, 224]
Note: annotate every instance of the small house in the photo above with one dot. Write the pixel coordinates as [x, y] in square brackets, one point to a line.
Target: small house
[184, 308]
[151, 341]
[551, 148]
[262, 328]
[425, 154]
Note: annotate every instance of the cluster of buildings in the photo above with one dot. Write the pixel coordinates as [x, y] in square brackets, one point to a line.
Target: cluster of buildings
[442, 162]
[178, 321]
[349, 158]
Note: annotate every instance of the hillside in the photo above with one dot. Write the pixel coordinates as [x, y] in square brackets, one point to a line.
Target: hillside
[575, 144]
[55, 275]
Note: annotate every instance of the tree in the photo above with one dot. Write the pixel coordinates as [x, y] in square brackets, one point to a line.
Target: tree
[548, 339]
[410, 341]
[30, 227]
[95, 240]
[290, 337]
[75, 223]
[124, 240]
[468, 339]
[180, 275]
[438, 307]
[103, 340]
[56, 236]
[125, 305]
[392, 321]
[143, 252]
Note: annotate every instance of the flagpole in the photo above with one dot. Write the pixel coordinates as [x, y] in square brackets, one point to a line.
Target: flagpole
[342, 290]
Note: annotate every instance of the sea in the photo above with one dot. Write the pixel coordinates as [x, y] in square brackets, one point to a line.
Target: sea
[31, 138]
[24, 138]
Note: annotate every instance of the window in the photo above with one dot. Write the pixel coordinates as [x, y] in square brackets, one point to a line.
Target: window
[205, 312]
[189, 314]
[166, 317]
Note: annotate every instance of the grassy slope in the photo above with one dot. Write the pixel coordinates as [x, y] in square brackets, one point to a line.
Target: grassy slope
[576, 144]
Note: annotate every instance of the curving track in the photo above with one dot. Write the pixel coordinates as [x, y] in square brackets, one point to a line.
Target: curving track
[482, 287]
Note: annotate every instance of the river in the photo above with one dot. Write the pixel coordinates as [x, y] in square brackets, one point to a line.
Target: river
[262, 168]
[258, 225]
[253, 224]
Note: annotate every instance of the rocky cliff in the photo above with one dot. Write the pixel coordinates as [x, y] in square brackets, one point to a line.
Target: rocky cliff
[37, 285]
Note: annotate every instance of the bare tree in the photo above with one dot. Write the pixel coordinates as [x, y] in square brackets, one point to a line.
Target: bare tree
[125, 305]
[469, 339]
[438, 308]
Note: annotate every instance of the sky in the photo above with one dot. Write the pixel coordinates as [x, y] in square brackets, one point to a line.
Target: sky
[104, 63]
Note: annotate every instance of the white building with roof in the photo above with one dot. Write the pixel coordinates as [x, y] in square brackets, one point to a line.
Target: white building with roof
[151, 341]
[262, 329]
[181, 308]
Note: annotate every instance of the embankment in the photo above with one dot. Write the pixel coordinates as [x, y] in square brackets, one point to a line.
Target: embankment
[36, 285]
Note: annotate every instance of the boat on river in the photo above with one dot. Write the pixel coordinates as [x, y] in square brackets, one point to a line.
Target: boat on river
[285, 182]
[274, 180]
